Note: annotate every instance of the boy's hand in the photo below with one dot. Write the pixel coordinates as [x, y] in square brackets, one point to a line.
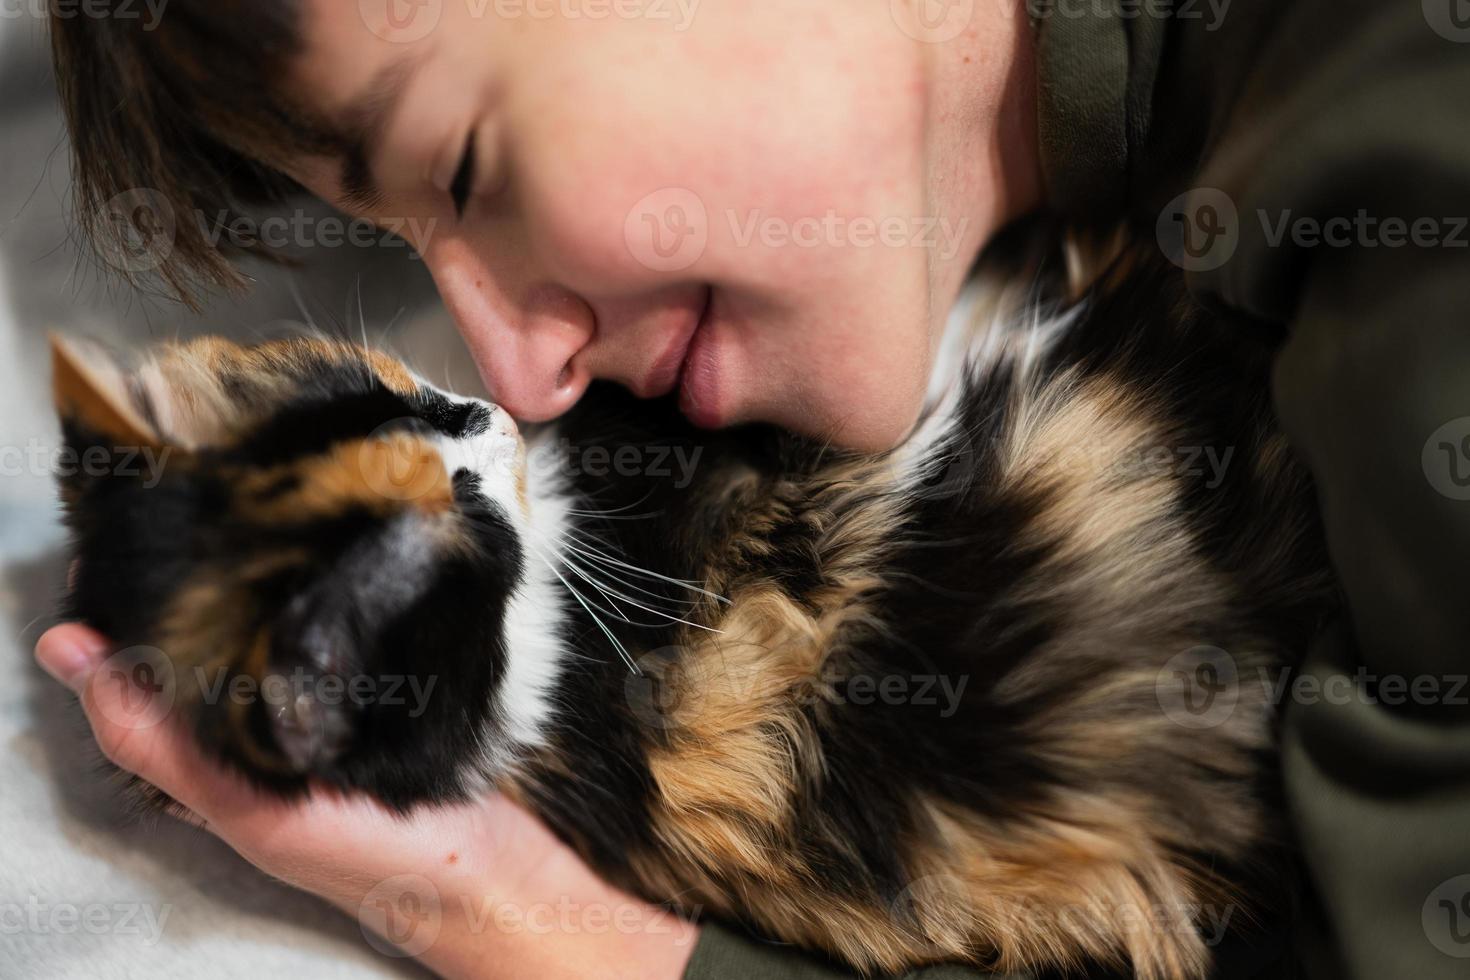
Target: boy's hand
[473, 890]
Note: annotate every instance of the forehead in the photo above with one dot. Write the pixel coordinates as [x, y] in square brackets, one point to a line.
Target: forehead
[382, 85]
[354, 75]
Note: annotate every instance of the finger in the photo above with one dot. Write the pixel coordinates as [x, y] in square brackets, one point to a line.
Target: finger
[70, 653]
[138, 729]
[128, 700]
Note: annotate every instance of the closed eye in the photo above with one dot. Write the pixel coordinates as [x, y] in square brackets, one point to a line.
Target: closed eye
[464, 178]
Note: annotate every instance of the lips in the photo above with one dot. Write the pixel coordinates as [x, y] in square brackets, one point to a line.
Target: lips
[690, 364]
[699, 380]
[664, 374]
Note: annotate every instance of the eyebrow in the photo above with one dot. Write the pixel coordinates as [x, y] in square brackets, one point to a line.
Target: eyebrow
[364, 122]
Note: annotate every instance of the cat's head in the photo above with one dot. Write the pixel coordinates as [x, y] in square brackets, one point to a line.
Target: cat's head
[319, 551]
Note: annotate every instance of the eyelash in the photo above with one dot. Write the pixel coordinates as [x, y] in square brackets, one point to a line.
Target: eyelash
[464, 178]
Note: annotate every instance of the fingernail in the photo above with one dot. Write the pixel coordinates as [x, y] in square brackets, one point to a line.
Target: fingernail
[71, 662]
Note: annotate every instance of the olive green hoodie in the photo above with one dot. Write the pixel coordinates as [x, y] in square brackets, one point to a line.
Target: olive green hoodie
[1308, 163]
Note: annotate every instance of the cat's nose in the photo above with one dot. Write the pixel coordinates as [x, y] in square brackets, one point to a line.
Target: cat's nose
[503, 424]
[310, 730]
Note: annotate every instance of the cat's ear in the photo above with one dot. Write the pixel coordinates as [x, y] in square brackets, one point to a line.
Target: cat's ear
[94, 393]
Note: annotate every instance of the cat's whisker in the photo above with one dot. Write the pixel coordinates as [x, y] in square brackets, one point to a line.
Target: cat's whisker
[362, 353]
[615, 510]
[600, 547]
[586, 545]
[295, 291]
[635, 603]
[392, 322]
[606, 560]
[566, 556]
[576, 570]
[608, 574]
[618, 646]
[618, 612]
[605, 569]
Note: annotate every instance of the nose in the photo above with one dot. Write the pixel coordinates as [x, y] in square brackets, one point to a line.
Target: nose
[524, 335]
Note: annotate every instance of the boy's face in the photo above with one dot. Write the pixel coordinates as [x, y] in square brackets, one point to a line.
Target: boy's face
[764, 205]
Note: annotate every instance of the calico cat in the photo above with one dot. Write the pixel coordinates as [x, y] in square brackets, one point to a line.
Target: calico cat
[992, 697]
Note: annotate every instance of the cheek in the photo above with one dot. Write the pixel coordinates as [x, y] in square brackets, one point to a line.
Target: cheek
[765, 228]
[624, 179]
[576, 228]
[864, 373]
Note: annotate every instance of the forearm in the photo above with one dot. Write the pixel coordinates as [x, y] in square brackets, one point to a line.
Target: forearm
[476, 925]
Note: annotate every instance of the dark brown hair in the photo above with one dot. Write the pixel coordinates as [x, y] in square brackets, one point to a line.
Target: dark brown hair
[192, 114]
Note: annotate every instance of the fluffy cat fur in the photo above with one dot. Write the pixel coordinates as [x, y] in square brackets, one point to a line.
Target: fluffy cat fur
[1036, 575]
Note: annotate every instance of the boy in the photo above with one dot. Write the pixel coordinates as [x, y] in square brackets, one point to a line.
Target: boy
[629, 190]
